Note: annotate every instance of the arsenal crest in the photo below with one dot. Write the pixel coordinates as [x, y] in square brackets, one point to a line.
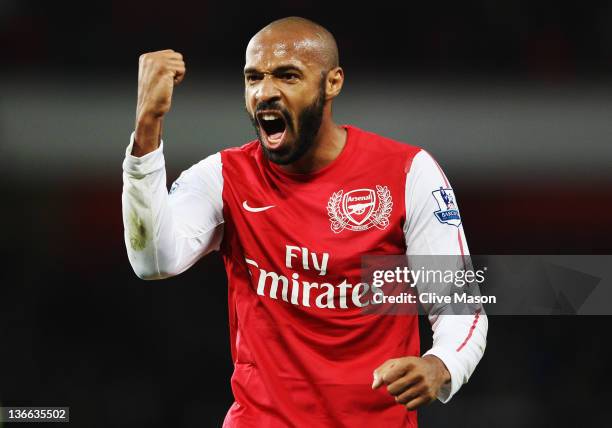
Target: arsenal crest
[360, 209]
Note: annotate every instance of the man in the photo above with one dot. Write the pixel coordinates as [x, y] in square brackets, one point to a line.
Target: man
[292, 212]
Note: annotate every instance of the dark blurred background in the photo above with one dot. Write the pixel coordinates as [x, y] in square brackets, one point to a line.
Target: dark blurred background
[514, 99]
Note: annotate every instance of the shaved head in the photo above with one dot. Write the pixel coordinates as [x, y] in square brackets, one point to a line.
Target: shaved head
[302, 36]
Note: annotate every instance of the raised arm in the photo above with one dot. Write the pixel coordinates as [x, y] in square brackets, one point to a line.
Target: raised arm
[166, 233]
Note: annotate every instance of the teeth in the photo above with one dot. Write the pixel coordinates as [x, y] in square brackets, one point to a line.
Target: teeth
[269, 117]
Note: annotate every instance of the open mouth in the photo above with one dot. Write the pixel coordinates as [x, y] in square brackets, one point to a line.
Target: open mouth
[274, 127]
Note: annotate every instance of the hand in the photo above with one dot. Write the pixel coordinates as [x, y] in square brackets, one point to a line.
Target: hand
[158, 73]
[413, 381]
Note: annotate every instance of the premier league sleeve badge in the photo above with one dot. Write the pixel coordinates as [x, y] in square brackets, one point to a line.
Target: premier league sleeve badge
[448, 212]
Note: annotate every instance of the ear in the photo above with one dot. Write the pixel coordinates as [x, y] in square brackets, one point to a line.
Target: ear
[333, 83]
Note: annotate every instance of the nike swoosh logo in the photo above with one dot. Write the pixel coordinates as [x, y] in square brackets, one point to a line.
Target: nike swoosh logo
[246, 206]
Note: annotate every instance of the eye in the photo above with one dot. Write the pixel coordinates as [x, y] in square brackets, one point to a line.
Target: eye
[289, 76]
[251, 78]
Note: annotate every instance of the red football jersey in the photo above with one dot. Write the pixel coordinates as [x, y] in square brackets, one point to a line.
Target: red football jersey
[304, 353]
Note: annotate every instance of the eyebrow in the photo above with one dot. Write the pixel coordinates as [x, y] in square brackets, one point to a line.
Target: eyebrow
[277, 70]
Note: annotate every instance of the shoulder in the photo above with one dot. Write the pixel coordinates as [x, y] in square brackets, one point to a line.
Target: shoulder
[208, 170]
[424, 163]
[212, 168]
[374, 144]
[249, 149]
[244, 161]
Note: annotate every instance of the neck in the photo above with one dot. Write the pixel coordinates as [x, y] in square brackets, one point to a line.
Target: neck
[328, 145]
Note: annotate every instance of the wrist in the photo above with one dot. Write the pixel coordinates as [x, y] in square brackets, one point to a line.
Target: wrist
[440, 368]
[147, 134]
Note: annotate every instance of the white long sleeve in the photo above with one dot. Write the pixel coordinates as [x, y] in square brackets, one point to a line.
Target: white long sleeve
[433, 228]
[165, 233]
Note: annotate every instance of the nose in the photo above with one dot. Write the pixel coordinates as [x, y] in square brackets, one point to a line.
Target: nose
[267, 90]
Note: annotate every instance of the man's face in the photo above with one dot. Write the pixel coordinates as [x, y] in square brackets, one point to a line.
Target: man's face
[284, 95]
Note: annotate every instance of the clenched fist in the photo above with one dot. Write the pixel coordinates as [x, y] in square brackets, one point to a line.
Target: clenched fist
[413, 381]
[158, 73]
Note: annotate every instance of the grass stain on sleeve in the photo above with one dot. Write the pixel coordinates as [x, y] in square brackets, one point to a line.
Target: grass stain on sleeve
[138, 232]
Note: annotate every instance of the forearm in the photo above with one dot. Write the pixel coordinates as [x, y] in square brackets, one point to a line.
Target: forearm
[459, 341]
[147, 136]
